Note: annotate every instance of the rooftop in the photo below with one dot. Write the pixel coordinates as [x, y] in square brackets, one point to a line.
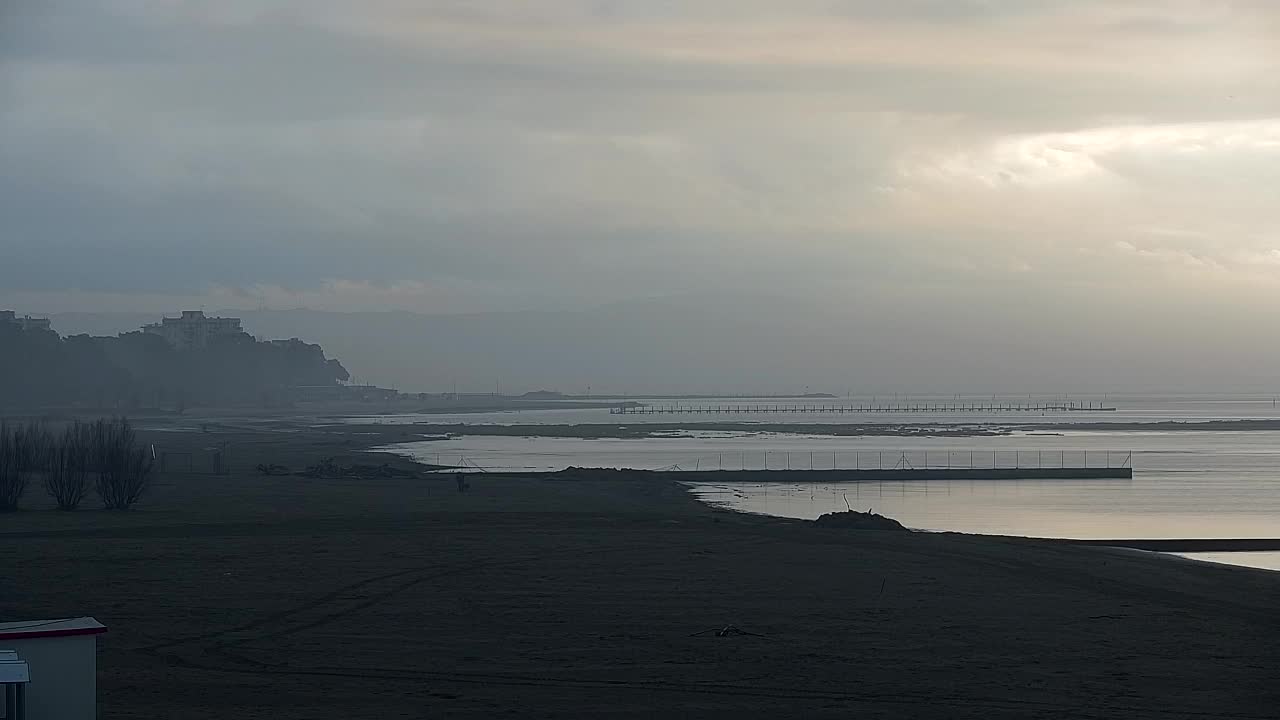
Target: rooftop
[50, 628]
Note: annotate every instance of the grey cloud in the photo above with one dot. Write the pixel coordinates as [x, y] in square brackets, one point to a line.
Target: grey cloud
[504, 147]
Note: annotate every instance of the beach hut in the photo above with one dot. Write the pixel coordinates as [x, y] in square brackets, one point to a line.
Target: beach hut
[59, 665]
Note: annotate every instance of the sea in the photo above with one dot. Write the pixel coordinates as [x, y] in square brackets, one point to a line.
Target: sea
[1216, 481]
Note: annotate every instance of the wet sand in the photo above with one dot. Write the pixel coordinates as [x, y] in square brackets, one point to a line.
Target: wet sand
[292, 597]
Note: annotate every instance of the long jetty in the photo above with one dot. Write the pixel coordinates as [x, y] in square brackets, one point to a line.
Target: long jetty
[836, 476]
[862, 408]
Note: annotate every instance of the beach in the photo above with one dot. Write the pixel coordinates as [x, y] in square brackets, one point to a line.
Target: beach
[246, 595]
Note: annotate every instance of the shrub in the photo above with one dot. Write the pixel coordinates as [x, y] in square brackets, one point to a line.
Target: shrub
[11, 486]
[67, 477]
[123, 465]
[24, 453]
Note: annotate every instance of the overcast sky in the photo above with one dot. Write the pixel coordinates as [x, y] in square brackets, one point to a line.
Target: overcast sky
[1120, 158]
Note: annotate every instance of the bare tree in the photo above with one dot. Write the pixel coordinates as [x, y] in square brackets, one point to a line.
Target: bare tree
[24, 453]
[11, 482]
[67, 477]
[124, 466]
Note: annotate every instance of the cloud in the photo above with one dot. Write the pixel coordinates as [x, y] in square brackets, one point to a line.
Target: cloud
[474, 155]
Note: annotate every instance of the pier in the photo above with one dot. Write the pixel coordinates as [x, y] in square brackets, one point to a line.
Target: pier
[856, 466]
[836, 476]
[987, 408]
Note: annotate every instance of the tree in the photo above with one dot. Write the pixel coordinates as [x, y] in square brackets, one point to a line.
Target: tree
[67, 476]
[24, 454]
[124, 465]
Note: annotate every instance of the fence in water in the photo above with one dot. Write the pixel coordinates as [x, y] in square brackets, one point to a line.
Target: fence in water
[936, 408]
[909, 460]
[962, 463]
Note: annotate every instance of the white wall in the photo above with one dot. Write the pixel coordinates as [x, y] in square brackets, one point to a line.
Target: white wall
[63, 676]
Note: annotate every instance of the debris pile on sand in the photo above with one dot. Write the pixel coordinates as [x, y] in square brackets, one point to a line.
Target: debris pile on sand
[328, 468]
[854, 520]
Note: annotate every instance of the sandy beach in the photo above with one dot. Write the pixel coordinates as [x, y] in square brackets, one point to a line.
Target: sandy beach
[245, 595]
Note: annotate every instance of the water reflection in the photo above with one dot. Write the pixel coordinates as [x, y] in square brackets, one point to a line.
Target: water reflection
[1263, 560]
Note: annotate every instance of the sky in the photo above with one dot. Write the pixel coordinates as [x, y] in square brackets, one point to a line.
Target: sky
[1087, 165]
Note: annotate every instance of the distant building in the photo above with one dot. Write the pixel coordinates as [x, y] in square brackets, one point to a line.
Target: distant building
[193, 329]
[25, 322]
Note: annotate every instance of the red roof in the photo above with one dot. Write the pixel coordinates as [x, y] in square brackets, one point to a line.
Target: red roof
[50, 628]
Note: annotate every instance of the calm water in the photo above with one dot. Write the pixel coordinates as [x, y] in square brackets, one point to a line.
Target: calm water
[1264, 560]
[1185, 485]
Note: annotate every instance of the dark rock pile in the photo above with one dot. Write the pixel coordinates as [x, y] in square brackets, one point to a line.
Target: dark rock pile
[855, 520]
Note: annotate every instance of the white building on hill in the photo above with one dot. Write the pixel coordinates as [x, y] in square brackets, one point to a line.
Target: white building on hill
[193, 329]
[26, 323]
